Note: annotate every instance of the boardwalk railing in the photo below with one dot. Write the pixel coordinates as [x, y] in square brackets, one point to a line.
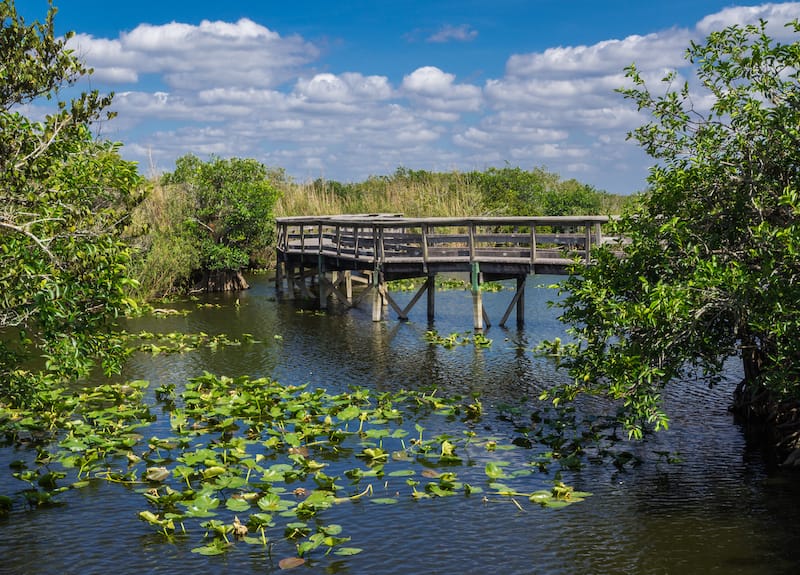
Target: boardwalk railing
[330, 253]
[367, 241]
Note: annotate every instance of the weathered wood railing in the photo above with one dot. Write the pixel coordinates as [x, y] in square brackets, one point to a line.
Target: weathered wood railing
[334, 251]
[391, 239]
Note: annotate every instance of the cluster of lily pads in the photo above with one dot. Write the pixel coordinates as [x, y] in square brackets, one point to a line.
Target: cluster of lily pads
[250, 461]
[456, 339]
[177, 342]
[253, 462]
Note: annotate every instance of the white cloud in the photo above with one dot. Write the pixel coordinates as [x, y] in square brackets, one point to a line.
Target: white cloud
[448, 33]
[608, 57]
[348, 87]
[775, 14]
[438, 90]
[241, 54]
[240, 88]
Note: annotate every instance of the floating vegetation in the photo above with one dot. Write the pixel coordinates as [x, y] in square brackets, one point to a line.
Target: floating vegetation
[248, 461]
[457, 339]
[167, 311]
[176, 342]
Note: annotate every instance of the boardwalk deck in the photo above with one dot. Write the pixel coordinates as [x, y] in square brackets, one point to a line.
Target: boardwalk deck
[374, 248]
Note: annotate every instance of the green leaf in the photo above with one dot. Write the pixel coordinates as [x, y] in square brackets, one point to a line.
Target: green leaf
[494, 471]
[238, 505]
[347, 551]
[402, 473]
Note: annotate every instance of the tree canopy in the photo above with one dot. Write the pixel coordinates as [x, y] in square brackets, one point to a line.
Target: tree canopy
[712, 267]
[204, 219]
[233, 201]
[63, 196]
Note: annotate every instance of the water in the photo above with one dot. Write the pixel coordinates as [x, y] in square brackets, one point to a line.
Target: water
[721, 510]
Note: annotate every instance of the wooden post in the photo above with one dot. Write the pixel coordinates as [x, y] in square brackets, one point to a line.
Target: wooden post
[289, 280]
[588, 246]
[477, 302]
[377, 297]
[521, 300]
[279, 266]
[431, 281]
[323, 288]
[348, 285]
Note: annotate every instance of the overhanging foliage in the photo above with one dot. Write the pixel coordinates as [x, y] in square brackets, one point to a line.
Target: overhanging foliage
[712, 267]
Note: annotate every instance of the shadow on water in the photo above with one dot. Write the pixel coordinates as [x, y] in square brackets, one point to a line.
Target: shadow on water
[717, 510]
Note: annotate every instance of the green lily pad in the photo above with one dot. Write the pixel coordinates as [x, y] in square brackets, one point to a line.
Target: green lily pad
[236, 504]
[494, 471]
[347, 551]
[402, 473]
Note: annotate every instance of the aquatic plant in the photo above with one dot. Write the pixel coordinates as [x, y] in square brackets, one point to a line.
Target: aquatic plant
[456, 339]
[249, 461]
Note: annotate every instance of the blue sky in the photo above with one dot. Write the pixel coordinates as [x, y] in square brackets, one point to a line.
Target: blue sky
[344, 90]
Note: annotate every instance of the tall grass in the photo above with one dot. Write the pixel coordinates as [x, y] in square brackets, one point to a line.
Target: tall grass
[445, 195]
[164, 257]
[506, 191]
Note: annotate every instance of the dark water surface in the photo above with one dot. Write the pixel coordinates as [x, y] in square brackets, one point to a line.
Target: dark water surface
[720, 510]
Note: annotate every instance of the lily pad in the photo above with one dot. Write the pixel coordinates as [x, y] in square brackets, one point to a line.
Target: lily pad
[347, 551]
[402, 473]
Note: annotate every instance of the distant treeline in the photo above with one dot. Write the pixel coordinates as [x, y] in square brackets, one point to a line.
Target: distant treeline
[417, 193]
[199, 226]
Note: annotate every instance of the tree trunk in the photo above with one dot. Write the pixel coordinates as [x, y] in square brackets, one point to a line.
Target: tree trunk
[775, 423]
[219, 280]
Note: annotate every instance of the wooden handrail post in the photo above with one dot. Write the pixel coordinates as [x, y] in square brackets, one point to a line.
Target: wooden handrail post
[302, 239]
[425, 247]
[588, 246]
[471, 242]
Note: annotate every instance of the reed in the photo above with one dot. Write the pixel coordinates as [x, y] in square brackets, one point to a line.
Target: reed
[505, 191]
[430, 194]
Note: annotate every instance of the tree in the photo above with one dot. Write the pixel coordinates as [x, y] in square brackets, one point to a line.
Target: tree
[63, 196]
[215, 218]
[712, 270]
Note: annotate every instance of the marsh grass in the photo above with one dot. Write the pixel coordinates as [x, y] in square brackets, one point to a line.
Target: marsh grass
[428, 195]
[419, 193]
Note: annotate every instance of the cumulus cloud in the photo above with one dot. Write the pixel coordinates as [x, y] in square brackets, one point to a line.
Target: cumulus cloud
[348, 87]
[659, 50]
[439, 91]
[775, 14]
[186, 56]
[240, 88]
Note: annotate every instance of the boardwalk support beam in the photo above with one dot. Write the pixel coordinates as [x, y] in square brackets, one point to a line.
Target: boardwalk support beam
[519, 301]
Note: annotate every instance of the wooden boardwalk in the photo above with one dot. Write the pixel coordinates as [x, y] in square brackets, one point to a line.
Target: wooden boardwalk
[330, 253]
